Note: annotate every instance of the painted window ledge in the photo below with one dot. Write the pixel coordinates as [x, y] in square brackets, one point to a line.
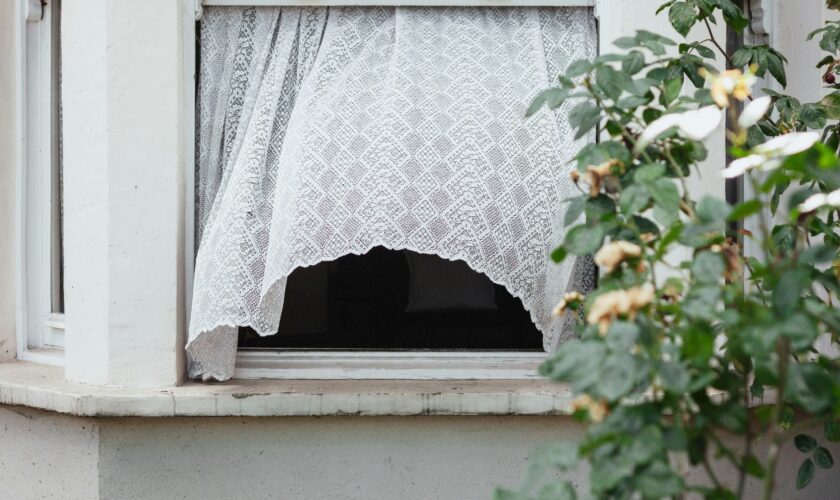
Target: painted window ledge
[41, 386]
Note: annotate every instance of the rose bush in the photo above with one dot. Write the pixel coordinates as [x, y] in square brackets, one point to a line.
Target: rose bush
[687, 342]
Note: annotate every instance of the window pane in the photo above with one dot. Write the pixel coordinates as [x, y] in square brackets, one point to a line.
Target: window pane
[389, 299]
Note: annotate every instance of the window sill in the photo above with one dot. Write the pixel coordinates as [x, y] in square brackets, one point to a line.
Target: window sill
[44, 387]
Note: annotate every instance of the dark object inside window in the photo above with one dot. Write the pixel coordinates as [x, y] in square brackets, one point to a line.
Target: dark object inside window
[389, 299]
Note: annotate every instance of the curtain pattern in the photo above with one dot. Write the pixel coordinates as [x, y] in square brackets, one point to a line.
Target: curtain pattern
[329, 131]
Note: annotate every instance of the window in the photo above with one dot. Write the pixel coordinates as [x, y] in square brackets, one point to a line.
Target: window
[351, 184]
[40, 315]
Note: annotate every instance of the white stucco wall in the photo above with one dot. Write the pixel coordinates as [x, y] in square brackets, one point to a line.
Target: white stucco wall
[7, 180]
[46, 455]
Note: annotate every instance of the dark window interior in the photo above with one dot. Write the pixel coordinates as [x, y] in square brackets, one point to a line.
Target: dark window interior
[390, 299]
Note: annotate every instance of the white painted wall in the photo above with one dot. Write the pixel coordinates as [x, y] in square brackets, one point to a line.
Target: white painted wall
[8, 34]
[124, 191]
[47, 455]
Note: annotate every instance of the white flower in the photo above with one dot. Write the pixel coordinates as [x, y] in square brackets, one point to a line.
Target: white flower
[819, 200]
[696, 125]
[742, 165]
[754, 112]
[768, 156]
[788, 144]
[700, 123]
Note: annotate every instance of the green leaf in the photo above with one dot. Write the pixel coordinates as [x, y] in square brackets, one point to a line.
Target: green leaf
[672, 90]
[805, 474]
[665, 194]
[733, 15]
[584, 117]
[801, 331]
[745, 209]
[707, 268]
[712, 210]
[832, 431]
[610, 81]
[575, 362]
[557, 490]
[813, 116]
[559, 254]
[634, 198]
[675, 378]
[647, 445]
[787, 292]
[807, 384]
[831, 105]
[553, 98]
[575, 209]
[505, 494]
[659, 481]
[578, 68]
[823, 458]
[701, 302]
[584, 240]
[649, 173]
[622, 336]
[617, 376]
[754, 467]
[682, 17]
[805, 443]
[633, 62]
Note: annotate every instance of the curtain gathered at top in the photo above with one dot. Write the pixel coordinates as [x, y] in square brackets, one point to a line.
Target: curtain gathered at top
[329, 131]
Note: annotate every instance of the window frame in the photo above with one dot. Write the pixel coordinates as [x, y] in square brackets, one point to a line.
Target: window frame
[39, 330]
[350, 364]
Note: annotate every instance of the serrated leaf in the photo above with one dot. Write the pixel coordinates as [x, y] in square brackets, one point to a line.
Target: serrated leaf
[823, 458]
[813, 116]
[633, 62]
[559, 254]
[805, 474]
[682, 17]
[552, 98]
[574, 209]
[584, 240]
[634, 198]
[831, 105]
[707, 268]
[745, 209]
[557, 490]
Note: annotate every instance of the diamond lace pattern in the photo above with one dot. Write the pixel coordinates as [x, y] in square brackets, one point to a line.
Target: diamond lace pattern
[329, 131]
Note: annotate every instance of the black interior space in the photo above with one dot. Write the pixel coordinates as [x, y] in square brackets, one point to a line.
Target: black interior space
[392, 300]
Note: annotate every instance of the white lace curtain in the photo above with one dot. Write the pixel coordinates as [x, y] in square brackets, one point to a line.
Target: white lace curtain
[329, 131]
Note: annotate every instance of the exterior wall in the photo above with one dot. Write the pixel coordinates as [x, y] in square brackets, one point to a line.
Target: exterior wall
[8, 33]
[46, 455]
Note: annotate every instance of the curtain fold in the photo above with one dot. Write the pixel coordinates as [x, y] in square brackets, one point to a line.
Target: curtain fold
[329, 131]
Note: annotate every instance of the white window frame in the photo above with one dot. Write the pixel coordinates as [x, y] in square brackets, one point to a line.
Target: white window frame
[39, 330]
[350, 364]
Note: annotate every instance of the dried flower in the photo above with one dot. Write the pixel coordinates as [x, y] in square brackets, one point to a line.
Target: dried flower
[597, 409]
[625, 303]
[595, 175]
[611, 255]
[570, 299]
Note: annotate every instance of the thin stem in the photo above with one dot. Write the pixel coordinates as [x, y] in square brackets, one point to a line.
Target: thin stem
[716, 44]
[778, 434]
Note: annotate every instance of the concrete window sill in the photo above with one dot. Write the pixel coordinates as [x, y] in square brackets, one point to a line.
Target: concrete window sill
[44, 387]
